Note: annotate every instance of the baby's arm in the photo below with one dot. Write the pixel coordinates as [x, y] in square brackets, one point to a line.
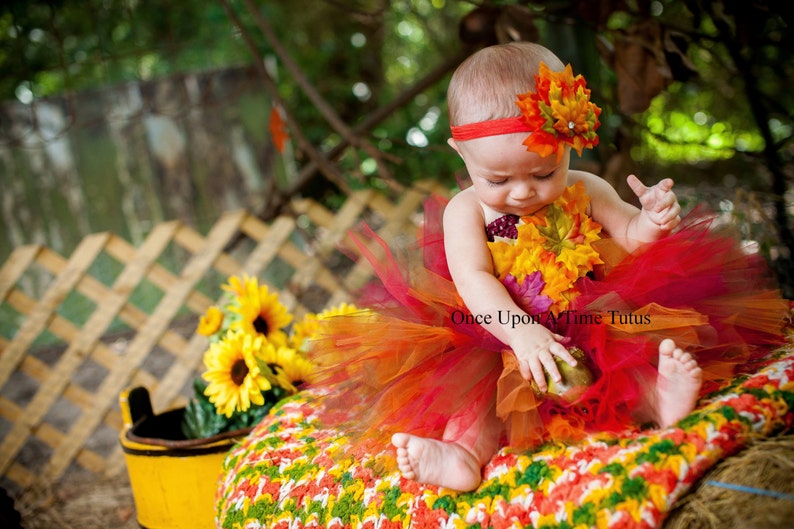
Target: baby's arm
[471, 267]
[659, 215]
[660, 211]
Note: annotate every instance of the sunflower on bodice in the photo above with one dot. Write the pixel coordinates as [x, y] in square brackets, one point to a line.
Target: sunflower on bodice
[540, 257]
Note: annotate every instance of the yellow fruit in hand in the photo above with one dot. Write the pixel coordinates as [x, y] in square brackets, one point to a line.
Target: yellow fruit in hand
[575, 379]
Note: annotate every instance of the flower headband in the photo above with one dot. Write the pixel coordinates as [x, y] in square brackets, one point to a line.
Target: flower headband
[558, 113]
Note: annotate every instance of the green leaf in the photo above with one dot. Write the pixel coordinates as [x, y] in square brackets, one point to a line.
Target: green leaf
[201, 419]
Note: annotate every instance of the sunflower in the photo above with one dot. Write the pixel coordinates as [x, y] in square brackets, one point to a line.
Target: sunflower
[303, 330]
[235, 286]
[289, 366]
[261, 312]
[235, 380]
[306, 329]
[211, 322]
[298, 370]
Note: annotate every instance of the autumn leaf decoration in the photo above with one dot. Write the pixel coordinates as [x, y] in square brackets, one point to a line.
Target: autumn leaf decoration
[560, 113]
[277, 129]
[552, 250]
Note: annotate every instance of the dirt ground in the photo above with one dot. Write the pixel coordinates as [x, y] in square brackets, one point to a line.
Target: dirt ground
[82, 503]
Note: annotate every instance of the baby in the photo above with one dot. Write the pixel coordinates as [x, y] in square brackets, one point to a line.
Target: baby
[513, 174]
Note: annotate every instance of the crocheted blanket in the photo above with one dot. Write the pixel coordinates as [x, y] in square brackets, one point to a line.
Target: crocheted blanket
[291, 472]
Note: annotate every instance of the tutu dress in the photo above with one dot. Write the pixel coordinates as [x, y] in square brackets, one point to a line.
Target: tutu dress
[417, 361]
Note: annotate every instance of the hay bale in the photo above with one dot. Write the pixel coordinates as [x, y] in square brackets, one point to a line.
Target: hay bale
[765, 466]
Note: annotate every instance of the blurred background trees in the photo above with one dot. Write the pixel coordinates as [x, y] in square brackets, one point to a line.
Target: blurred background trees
[695, 90]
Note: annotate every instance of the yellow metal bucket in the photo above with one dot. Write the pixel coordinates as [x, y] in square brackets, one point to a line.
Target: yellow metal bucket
[173, 479]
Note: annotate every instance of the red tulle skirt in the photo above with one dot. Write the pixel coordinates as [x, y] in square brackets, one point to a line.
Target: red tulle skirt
[413, 364]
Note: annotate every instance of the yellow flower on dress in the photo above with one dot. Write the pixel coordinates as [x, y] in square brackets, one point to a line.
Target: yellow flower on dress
[574, 199]
[557, 242]
[565, 230]
[559, 278]
[570, 238]
[235, 379]
[260, 311]
[556, 277]
[505, 252]
[211, 322]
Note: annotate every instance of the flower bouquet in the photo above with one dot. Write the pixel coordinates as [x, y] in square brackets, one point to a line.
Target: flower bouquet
[252, 362]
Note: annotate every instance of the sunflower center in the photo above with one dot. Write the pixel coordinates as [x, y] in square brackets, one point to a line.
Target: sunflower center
[239, 371]
[260, 325]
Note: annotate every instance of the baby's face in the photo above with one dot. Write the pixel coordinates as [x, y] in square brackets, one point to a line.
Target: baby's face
[509, 179]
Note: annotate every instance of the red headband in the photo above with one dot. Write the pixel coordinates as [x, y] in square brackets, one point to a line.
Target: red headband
[558, 113]
[493, 127]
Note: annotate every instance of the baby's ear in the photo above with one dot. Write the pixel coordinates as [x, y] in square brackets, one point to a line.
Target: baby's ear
[452, 143]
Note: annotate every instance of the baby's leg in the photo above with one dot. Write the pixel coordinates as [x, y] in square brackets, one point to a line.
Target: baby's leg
[677, 385]
[453, 464]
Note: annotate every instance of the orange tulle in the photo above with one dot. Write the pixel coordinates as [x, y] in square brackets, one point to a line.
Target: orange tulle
[517, 404]
[409, 365]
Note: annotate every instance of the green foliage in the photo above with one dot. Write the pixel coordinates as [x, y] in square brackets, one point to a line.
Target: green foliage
[201, 420]
[727, 109]
[52, 47]
[363, 54]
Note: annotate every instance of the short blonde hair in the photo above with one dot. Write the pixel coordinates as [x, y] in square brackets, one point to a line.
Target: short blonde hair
[485, 85]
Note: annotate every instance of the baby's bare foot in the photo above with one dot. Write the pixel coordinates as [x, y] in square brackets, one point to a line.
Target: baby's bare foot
[677, 384]
[436, 462]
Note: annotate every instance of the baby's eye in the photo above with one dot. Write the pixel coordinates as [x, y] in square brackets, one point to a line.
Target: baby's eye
[496, 182]
[544, 176]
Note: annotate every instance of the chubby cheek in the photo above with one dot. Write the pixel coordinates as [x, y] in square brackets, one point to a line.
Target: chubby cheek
[552, 190]
[493, 198]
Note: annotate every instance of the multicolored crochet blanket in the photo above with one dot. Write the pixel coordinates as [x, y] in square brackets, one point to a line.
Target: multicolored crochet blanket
[290, 472]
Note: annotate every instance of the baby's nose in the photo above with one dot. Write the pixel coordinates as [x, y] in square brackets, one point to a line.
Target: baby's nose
[522, 190]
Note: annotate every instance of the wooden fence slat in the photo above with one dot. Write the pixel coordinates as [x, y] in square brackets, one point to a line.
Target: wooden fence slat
[155, 326]
[321, 276]
[129, 314]
[362, 270]
[9, 409]
[343, 221]
[77, 265]
[193, 242]
[318, 214]
[158, 275]
[66, 330]
[85, 340]
[268, 246]
[19, 474]
[19, 261]
[38, 318]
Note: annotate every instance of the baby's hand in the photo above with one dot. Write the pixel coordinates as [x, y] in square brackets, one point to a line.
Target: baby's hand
[659, 203]
[536, 349]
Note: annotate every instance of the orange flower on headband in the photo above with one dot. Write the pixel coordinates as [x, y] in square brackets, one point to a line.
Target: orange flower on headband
[560, 113]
